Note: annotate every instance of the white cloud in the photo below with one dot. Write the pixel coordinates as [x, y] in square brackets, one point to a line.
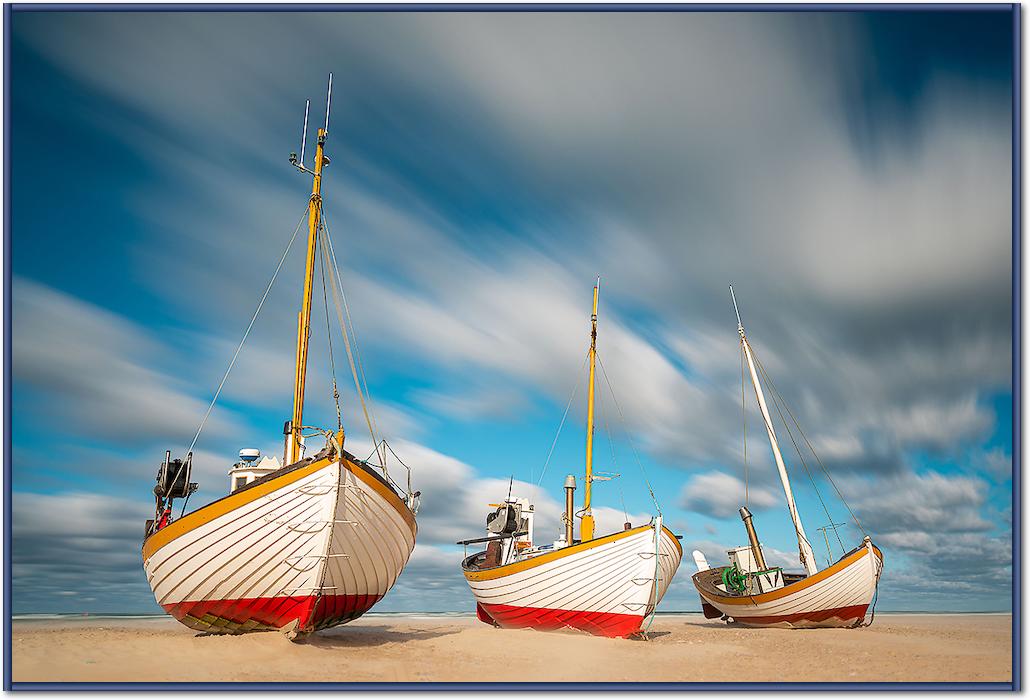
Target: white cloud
[929, 502]
[874, 277]
[940, 425]
[78, 543]
[720, 495]
[96, 371]
[996, 462]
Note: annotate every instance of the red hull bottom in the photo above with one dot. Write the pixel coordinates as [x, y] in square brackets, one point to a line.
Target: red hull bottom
[834, 617]
[549, 620]
[304, 613]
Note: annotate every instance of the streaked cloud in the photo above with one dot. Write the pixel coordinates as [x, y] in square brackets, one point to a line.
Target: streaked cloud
[485, 168]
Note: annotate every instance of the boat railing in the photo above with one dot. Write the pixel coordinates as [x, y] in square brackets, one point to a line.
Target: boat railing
[412, 497]
[334, 443]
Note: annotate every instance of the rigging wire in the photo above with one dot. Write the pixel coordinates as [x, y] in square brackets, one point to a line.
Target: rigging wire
[611, 446]
[575, 388]
[796, 516]
[779, 401]
[329, 336]
[337, 288]
[246, 333]
[816, 455]
[629, 438]
[388, 446]
[611, 442]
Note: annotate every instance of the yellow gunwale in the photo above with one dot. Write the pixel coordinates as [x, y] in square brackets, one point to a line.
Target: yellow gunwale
[794, 587]
[215, 509]
[515, 567]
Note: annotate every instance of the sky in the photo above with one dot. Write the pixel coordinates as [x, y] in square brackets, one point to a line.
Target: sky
[849, 173]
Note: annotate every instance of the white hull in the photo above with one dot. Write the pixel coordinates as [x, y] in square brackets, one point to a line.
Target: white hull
[311, 547]
[838, 596]
[606, 586]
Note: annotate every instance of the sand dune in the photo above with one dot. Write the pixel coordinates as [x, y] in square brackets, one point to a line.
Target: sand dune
[682, 648]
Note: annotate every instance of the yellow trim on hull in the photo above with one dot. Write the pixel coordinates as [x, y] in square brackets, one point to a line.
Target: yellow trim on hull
[206, 514]
[515, 567]
[794, 587]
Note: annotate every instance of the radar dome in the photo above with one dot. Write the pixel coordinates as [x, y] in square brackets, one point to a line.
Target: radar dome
[249, 454]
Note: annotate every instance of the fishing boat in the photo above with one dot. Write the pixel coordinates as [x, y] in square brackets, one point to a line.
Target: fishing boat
[300, 545]
[605, 585]
[750, 592]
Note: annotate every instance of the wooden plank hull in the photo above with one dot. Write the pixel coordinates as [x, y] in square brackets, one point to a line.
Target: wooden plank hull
[838, 596]
[314, 547]
[607, 586]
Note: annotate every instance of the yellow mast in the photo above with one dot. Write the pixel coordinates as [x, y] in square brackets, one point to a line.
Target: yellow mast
[586, 530]
[293, 450]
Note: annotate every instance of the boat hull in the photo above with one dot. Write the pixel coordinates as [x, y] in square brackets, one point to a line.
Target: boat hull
[606, 586]
[838, 596]
[312, 546]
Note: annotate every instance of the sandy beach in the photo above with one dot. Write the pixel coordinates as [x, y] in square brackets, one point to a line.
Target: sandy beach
[682, 648]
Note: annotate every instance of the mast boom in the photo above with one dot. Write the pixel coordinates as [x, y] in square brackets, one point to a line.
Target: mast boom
[294, 446]
[804, 548]
[587, 527]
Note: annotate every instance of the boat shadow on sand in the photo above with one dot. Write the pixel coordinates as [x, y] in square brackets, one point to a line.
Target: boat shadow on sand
[373, 636]
[353, 637]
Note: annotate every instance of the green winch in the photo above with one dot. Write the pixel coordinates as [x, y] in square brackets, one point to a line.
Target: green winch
[734, 579]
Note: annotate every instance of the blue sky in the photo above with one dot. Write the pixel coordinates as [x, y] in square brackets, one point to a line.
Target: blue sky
[849, 173]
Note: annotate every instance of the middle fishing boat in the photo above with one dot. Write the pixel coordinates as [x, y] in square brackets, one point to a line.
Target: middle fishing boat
[606, 585]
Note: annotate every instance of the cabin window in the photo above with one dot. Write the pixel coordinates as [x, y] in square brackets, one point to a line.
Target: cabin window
[241, 481]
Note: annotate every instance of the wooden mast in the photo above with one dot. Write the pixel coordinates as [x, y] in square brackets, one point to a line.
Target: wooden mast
[293, 446]
[804, 548]
[586, 530]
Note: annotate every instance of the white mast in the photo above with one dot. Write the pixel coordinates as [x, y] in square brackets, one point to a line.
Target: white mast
[805, 549]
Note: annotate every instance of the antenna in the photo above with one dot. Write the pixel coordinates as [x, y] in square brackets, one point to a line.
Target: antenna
[304, 133]
[740, 326]
[328, 102]
[831, 526]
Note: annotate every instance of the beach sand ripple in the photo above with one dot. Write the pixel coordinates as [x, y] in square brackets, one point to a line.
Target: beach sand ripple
[682, 648]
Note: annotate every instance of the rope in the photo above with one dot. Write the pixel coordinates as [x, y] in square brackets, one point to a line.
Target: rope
[777, 399]
[329, 336]
[876, 594]
[611, 447]
[607, 430]
[795, 515]
[654, 590]
[246, 334]
[622, 418]
[355, 358]
[346, 343]
[401, 461]
[826, 472]
[565, 415]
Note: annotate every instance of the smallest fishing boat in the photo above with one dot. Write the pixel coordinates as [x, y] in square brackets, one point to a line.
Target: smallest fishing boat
[605, 585]
[750, 592]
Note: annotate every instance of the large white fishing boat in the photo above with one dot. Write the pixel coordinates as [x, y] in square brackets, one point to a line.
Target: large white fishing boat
[300, 547]
[750, 592]
[606, 585]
